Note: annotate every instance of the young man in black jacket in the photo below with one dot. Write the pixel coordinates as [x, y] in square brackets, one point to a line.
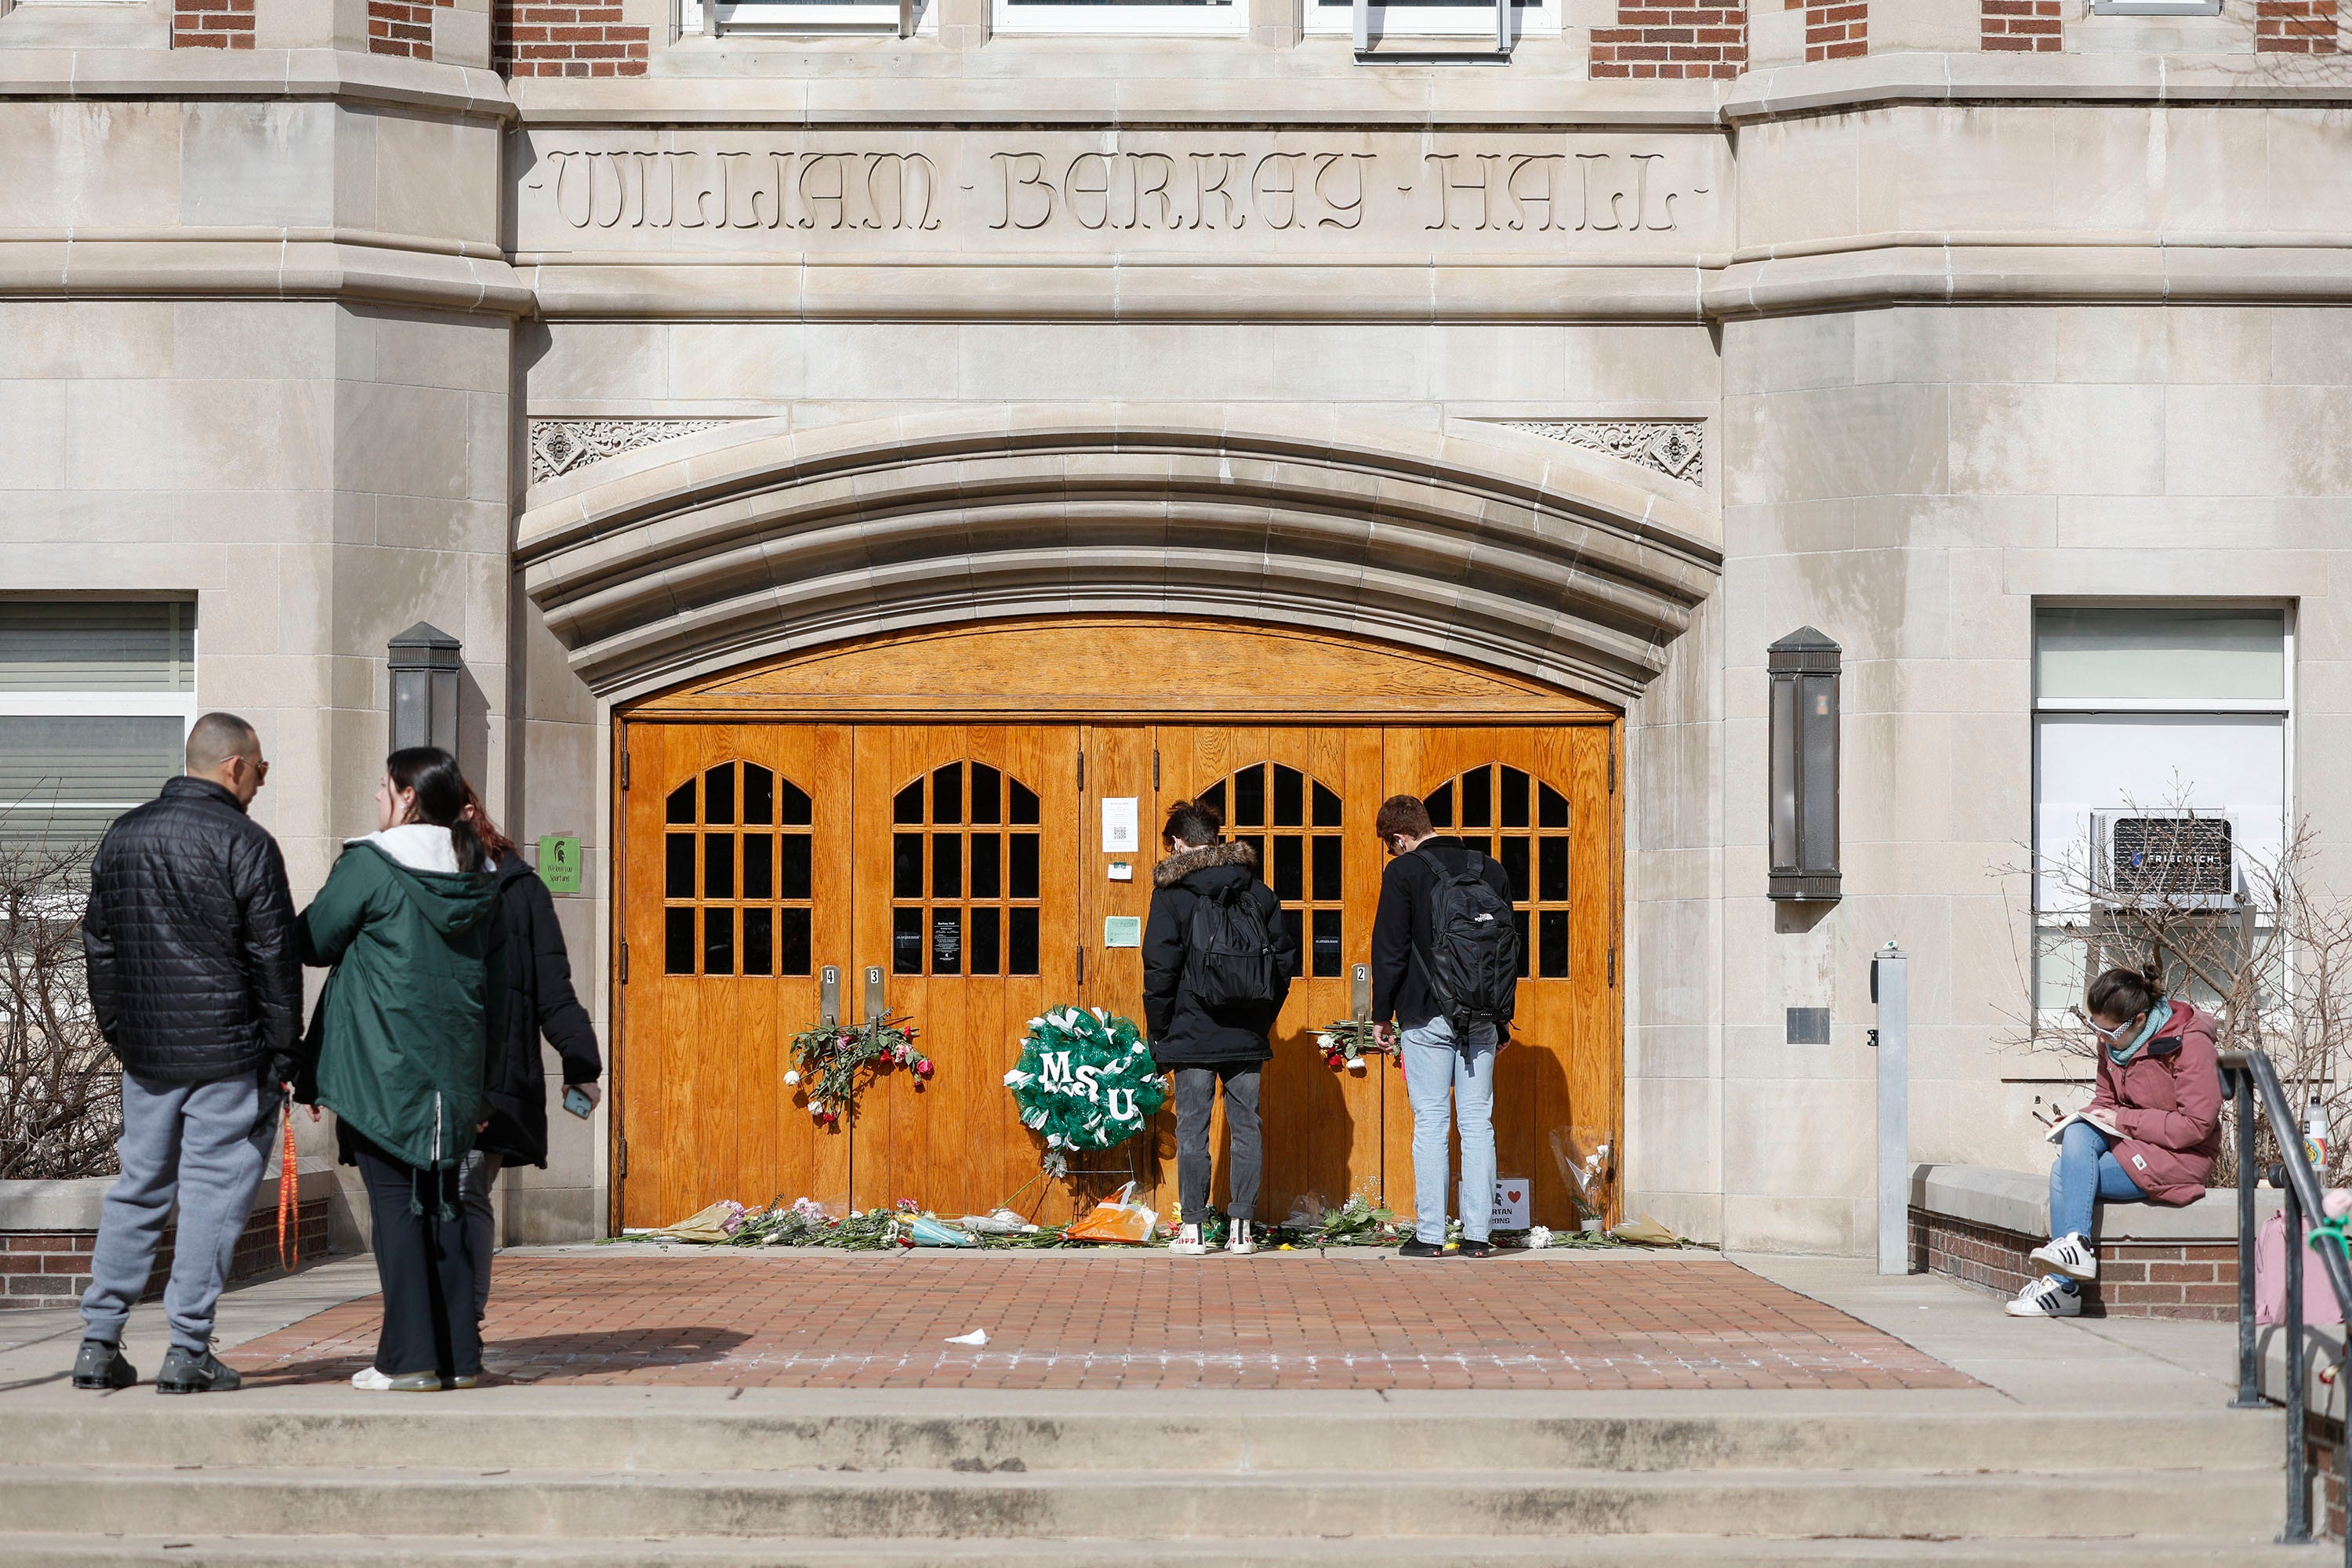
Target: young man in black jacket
[189, 936]
[1438, 1066]
[1208, 1045]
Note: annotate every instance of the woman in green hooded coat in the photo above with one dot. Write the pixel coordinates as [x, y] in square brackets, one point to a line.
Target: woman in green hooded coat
[400, 1049]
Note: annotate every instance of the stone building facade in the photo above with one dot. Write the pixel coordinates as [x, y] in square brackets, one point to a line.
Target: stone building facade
[633, 344]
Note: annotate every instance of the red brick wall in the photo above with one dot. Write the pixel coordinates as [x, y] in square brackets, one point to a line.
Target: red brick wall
[402, 28]
[1665, 40]
[2022, 26]
[2294, 27]
[2136, 1279]
[212, 24]
[568, 40]
[51, 1268]
[1835, 29]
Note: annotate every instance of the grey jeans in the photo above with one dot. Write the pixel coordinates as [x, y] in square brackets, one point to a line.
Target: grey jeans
[203, 1145]
[1196, 1091]
[476, 1181]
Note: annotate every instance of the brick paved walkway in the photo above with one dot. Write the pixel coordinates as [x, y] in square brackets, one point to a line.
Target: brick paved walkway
[1129, 1321]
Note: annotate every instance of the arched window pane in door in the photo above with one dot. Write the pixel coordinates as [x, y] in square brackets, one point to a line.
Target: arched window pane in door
[736, 874]
[1293, 823]
[1522, 821]
[963, 874]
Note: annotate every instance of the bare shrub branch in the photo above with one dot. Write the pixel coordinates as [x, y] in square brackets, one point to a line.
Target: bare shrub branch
[60, 1090]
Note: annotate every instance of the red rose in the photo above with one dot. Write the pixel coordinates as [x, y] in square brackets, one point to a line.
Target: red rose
[922, 1067]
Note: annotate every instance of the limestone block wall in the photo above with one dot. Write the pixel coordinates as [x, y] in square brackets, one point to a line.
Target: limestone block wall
[1910, 481]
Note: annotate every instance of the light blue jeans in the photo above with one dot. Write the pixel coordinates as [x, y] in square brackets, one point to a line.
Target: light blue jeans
[2082, 1175]
[1438, 1069]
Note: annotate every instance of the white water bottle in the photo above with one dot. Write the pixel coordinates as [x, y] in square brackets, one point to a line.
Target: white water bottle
[2314, 1137]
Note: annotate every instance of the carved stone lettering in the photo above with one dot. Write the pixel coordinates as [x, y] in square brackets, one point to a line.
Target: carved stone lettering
[1164, 193]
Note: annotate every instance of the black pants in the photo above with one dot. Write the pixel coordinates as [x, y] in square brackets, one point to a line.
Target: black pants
[1196, 1090]
[424, 1265]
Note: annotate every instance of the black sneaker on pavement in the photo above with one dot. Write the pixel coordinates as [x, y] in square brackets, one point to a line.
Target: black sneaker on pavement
[101, 1366]
[193, 1372]
[1476, 1249]
[1416, 1247]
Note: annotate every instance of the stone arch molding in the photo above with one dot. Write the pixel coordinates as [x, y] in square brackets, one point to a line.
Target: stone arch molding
[756, 539]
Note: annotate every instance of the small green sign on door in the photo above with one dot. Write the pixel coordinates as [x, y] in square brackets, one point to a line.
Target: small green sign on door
[559, 862]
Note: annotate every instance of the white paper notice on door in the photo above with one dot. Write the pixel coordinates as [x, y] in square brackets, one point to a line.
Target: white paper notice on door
[1511, 1209]
[1119, 826]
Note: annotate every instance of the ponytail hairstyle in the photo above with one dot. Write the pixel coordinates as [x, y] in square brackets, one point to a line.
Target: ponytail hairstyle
[496, 845]
[1194, 823]
[441, 794]
[2125, 993]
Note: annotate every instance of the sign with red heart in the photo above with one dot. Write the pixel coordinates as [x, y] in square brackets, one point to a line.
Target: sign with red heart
[1510, 1212]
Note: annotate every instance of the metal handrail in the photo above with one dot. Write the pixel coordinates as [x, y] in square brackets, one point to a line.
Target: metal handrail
[2253, 1077]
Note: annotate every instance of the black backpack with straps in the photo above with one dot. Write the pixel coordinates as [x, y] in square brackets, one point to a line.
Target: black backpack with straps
[1472, 961]
[1229, 960]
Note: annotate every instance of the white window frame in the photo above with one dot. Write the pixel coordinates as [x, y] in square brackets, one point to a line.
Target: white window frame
[181, 705]
[1537, 20]
[754, 18]
[2282, 710]
[1229, 21]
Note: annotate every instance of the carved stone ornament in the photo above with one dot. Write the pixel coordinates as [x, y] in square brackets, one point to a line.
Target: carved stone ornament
[1674, 447]
[563, 446]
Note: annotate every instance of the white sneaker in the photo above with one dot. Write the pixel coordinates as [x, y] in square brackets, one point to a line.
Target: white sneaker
[373, 1381]
[2069, 1257]
[1242, 1242]
[1188, 1242]
[2046, 1299]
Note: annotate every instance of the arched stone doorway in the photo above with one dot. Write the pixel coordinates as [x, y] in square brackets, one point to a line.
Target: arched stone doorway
[930, 653]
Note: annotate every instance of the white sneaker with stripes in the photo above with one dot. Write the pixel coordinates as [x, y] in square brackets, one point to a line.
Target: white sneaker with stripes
[2069, 1256]
[2046, 1299]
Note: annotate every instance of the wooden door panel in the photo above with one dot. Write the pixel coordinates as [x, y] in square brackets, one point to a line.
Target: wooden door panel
[956, 1145]
[735, 881]
[1322, 1128]
[1564, 1069]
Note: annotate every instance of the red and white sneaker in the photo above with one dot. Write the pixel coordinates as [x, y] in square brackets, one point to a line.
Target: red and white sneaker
[1188, 1242]
[2046, 1299]
[2069, 1256]
[1243, 1241]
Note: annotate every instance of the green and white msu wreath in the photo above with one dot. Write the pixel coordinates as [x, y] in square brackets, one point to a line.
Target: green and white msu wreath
[1085, 1081]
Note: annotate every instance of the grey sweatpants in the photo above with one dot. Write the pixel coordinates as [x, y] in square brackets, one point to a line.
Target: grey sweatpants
[1196, 1091]
[205, 1145]
[478, 1178]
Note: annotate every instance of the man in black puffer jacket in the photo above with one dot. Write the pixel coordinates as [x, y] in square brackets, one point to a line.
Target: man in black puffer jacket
[196, 986]
[1209, 1045]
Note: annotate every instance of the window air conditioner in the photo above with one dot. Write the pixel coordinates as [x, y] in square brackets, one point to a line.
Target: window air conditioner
[2182, 858]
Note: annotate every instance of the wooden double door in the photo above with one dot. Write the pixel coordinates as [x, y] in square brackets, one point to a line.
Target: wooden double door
[968, 864]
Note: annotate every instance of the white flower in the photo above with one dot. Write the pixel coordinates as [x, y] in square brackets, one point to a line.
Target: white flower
[792, 1078]
[1355, 1064]
[1538, 1237]
[1325, 1041]
[816, 1108]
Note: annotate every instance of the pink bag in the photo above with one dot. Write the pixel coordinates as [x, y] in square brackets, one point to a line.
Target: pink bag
[2319, 1304]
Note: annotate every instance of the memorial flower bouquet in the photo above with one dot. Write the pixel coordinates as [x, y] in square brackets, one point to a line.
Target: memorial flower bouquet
[1346, 1042]
[832, 1063]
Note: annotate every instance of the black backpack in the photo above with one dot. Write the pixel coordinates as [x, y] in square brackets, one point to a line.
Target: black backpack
[1473, 958]
[1230, 960]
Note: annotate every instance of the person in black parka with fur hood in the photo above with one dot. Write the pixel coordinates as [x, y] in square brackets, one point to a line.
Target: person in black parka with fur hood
[539, 1001]
[1204, 1047]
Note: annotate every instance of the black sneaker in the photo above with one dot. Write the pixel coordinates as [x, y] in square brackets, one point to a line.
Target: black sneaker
[101, 1366]
[1475, 1248]
[193, 1372]
[1416, 1247]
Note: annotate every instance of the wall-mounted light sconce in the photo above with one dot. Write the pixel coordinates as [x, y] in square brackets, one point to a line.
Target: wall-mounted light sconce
[1803, 671]
[424, 665]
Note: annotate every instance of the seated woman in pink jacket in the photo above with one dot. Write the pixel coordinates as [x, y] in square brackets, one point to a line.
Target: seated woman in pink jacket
[2150, 1134]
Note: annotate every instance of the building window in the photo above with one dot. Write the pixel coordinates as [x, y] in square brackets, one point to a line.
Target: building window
[1227, 17]
[1436, 18]
[755, 16]
[96, 698]
[2161, 745]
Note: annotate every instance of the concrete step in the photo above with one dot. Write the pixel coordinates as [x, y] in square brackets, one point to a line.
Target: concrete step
[487, 1432]
[2212, 1503]
[1455, 1551]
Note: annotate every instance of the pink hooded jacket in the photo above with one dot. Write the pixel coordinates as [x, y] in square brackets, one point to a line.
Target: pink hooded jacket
[2167, 1103]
